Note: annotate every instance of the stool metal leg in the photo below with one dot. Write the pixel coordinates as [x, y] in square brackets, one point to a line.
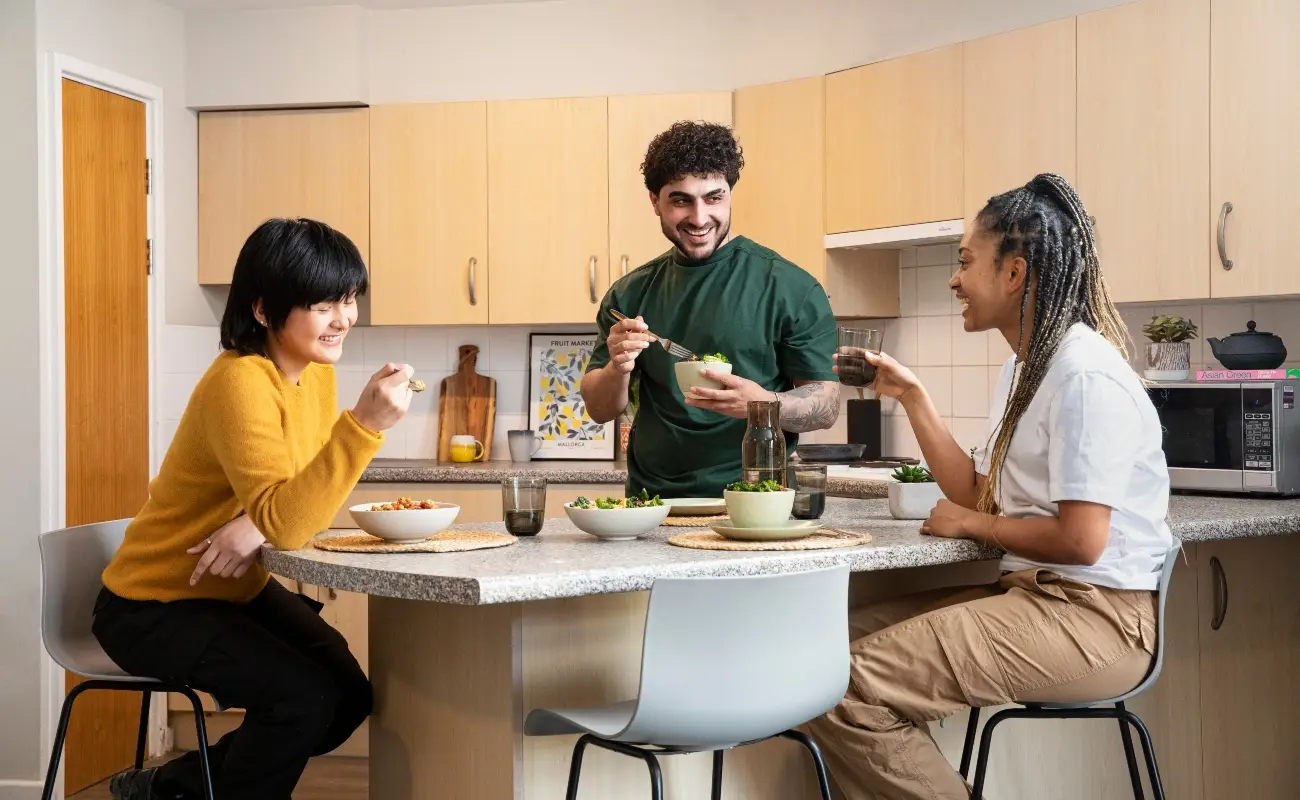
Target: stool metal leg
[575, 767]
[143, 734]
[1148, 753]
[823, 778]
[1134, 776]
[61, 734]
[202, 731]
[716, 794]
[968, 748]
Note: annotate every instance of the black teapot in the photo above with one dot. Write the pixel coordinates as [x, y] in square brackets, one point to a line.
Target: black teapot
[1250, 349]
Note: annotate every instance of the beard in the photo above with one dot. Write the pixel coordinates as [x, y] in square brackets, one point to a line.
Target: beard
[695, 254]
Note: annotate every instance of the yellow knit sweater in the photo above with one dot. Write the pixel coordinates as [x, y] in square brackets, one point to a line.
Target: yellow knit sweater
[252, 442]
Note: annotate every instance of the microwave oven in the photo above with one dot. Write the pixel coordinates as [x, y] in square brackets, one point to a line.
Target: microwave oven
[1230, 437]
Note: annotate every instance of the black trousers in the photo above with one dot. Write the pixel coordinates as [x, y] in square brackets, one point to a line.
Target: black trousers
[302, 691]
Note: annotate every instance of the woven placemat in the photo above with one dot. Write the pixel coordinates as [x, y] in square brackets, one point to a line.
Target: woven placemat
[824, 539]
[694, 522]
[445, 542]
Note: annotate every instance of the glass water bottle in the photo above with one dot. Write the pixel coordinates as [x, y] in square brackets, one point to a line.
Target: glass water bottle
[762, 451]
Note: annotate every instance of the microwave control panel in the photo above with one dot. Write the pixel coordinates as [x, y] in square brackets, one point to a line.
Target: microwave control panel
[1257, 429]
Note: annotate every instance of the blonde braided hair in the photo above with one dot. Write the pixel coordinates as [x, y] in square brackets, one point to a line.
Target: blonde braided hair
[1045, 223]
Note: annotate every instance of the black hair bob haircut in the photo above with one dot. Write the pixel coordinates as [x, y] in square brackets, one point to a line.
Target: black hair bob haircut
[287, 264]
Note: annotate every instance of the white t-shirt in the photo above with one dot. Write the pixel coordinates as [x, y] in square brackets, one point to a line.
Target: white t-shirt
[1091, 434]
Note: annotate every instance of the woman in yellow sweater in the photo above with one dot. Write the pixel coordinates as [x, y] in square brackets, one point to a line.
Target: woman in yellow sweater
[261, 456]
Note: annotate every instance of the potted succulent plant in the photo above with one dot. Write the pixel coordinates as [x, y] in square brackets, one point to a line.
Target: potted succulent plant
[1169, 353]
[913, 493]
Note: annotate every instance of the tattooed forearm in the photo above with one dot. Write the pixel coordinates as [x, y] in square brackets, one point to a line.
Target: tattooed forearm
[810, 407]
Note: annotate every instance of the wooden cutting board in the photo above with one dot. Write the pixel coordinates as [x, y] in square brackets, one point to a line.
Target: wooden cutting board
[467, 406]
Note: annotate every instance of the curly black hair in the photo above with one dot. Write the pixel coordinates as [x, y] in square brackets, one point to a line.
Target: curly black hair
[692, 148]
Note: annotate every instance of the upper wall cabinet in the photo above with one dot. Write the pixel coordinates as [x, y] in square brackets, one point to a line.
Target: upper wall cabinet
[259, 164]
[1019, 110]
[548, 202]
[634, 120]
[1255, 162]
[1144, 145]
[894, 142]
[429, 214]
[779, 200]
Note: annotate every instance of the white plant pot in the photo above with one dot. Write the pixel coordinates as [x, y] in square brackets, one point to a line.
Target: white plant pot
[913, 500]
[1168, 361]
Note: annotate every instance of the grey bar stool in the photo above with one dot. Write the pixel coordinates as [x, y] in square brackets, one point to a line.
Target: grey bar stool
[1088, 710]
[725, 662]
[72, 560]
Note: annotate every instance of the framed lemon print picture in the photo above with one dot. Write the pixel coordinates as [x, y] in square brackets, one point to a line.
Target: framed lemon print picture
[556, 411]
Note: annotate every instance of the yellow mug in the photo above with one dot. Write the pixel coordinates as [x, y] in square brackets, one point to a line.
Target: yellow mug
[465, 449]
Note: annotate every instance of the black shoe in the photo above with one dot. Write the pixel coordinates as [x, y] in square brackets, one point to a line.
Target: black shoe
[133, 784]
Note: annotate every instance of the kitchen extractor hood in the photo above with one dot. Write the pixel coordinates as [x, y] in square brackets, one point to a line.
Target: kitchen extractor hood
[945, 232]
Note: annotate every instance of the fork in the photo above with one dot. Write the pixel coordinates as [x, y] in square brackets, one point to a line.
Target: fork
[675, 350]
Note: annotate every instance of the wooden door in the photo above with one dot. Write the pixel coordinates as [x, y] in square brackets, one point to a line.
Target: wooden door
[1144, 145]
[288, 163]
[548, 210]
[894, 142]
[634, 120]
[779, 201]
[428, 214]
[106, 357]
[1249, 693]
[1018, 109]
[1254, 161]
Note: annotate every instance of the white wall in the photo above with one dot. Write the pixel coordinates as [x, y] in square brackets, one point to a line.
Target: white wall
[568, 47]
[20, 404]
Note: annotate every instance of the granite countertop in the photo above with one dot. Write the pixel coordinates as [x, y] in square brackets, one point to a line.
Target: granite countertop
[402, 470]
[564, 562]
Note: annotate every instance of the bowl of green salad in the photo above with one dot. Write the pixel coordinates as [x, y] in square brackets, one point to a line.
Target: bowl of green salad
[617, 519]
[690, 373]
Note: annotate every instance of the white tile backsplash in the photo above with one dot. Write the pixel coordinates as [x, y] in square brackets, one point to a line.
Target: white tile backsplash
[433, 352]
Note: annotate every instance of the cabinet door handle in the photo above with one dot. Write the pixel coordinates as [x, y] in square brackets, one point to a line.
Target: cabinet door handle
[591, 279]
[1223, 236]
[624, 269]
[1220, 593]
[473, 281]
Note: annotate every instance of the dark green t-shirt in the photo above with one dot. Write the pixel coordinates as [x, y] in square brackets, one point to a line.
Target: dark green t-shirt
[767, 316]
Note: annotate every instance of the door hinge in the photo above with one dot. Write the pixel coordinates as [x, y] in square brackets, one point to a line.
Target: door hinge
[148, 177]
[148, 256]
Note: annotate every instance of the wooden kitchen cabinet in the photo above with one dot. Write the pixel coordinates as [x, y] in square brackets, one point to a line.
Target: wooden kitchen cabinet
[1144, 145]
[429, 214]
[1250, 656]
[894, 142]
[634, 120]
[548, 202]
[779, 201]
[289, 163]
[1018, 110]
[1254, 161]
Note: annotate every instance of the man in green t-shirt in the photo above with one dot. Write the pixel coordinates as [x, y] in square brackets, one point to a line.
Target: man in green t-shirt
[713, 293]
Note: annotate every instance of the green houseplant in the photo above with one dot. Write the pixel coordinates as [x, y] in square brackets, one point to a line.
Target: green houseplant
[913, 493]
[1169, 351]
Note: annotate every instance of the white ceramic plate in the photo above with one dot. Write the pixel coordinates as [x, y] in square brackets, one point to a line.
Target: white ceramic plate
[616, 524]
[695, 506]
[792, 529]
[409, 525]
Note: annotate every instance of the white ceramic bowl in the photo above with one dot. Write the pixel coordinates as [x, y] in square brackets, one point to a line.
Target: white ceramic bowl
[616, 524]
[913, 500]
[408, 525]
[759, 509]
[688, 374]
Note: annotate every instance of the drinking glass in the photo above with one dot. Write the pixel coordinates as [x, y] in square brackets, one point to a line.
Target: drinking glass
[809, 484]
[523, 503]
[853, 367]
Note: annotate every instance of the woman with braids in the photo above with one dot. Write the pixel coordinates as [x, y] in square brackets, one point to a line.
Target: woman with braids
[1071, 483]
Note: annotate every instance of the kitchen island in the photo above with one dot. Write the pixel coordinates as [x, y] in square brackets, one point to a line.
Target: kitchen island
[462, 646]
